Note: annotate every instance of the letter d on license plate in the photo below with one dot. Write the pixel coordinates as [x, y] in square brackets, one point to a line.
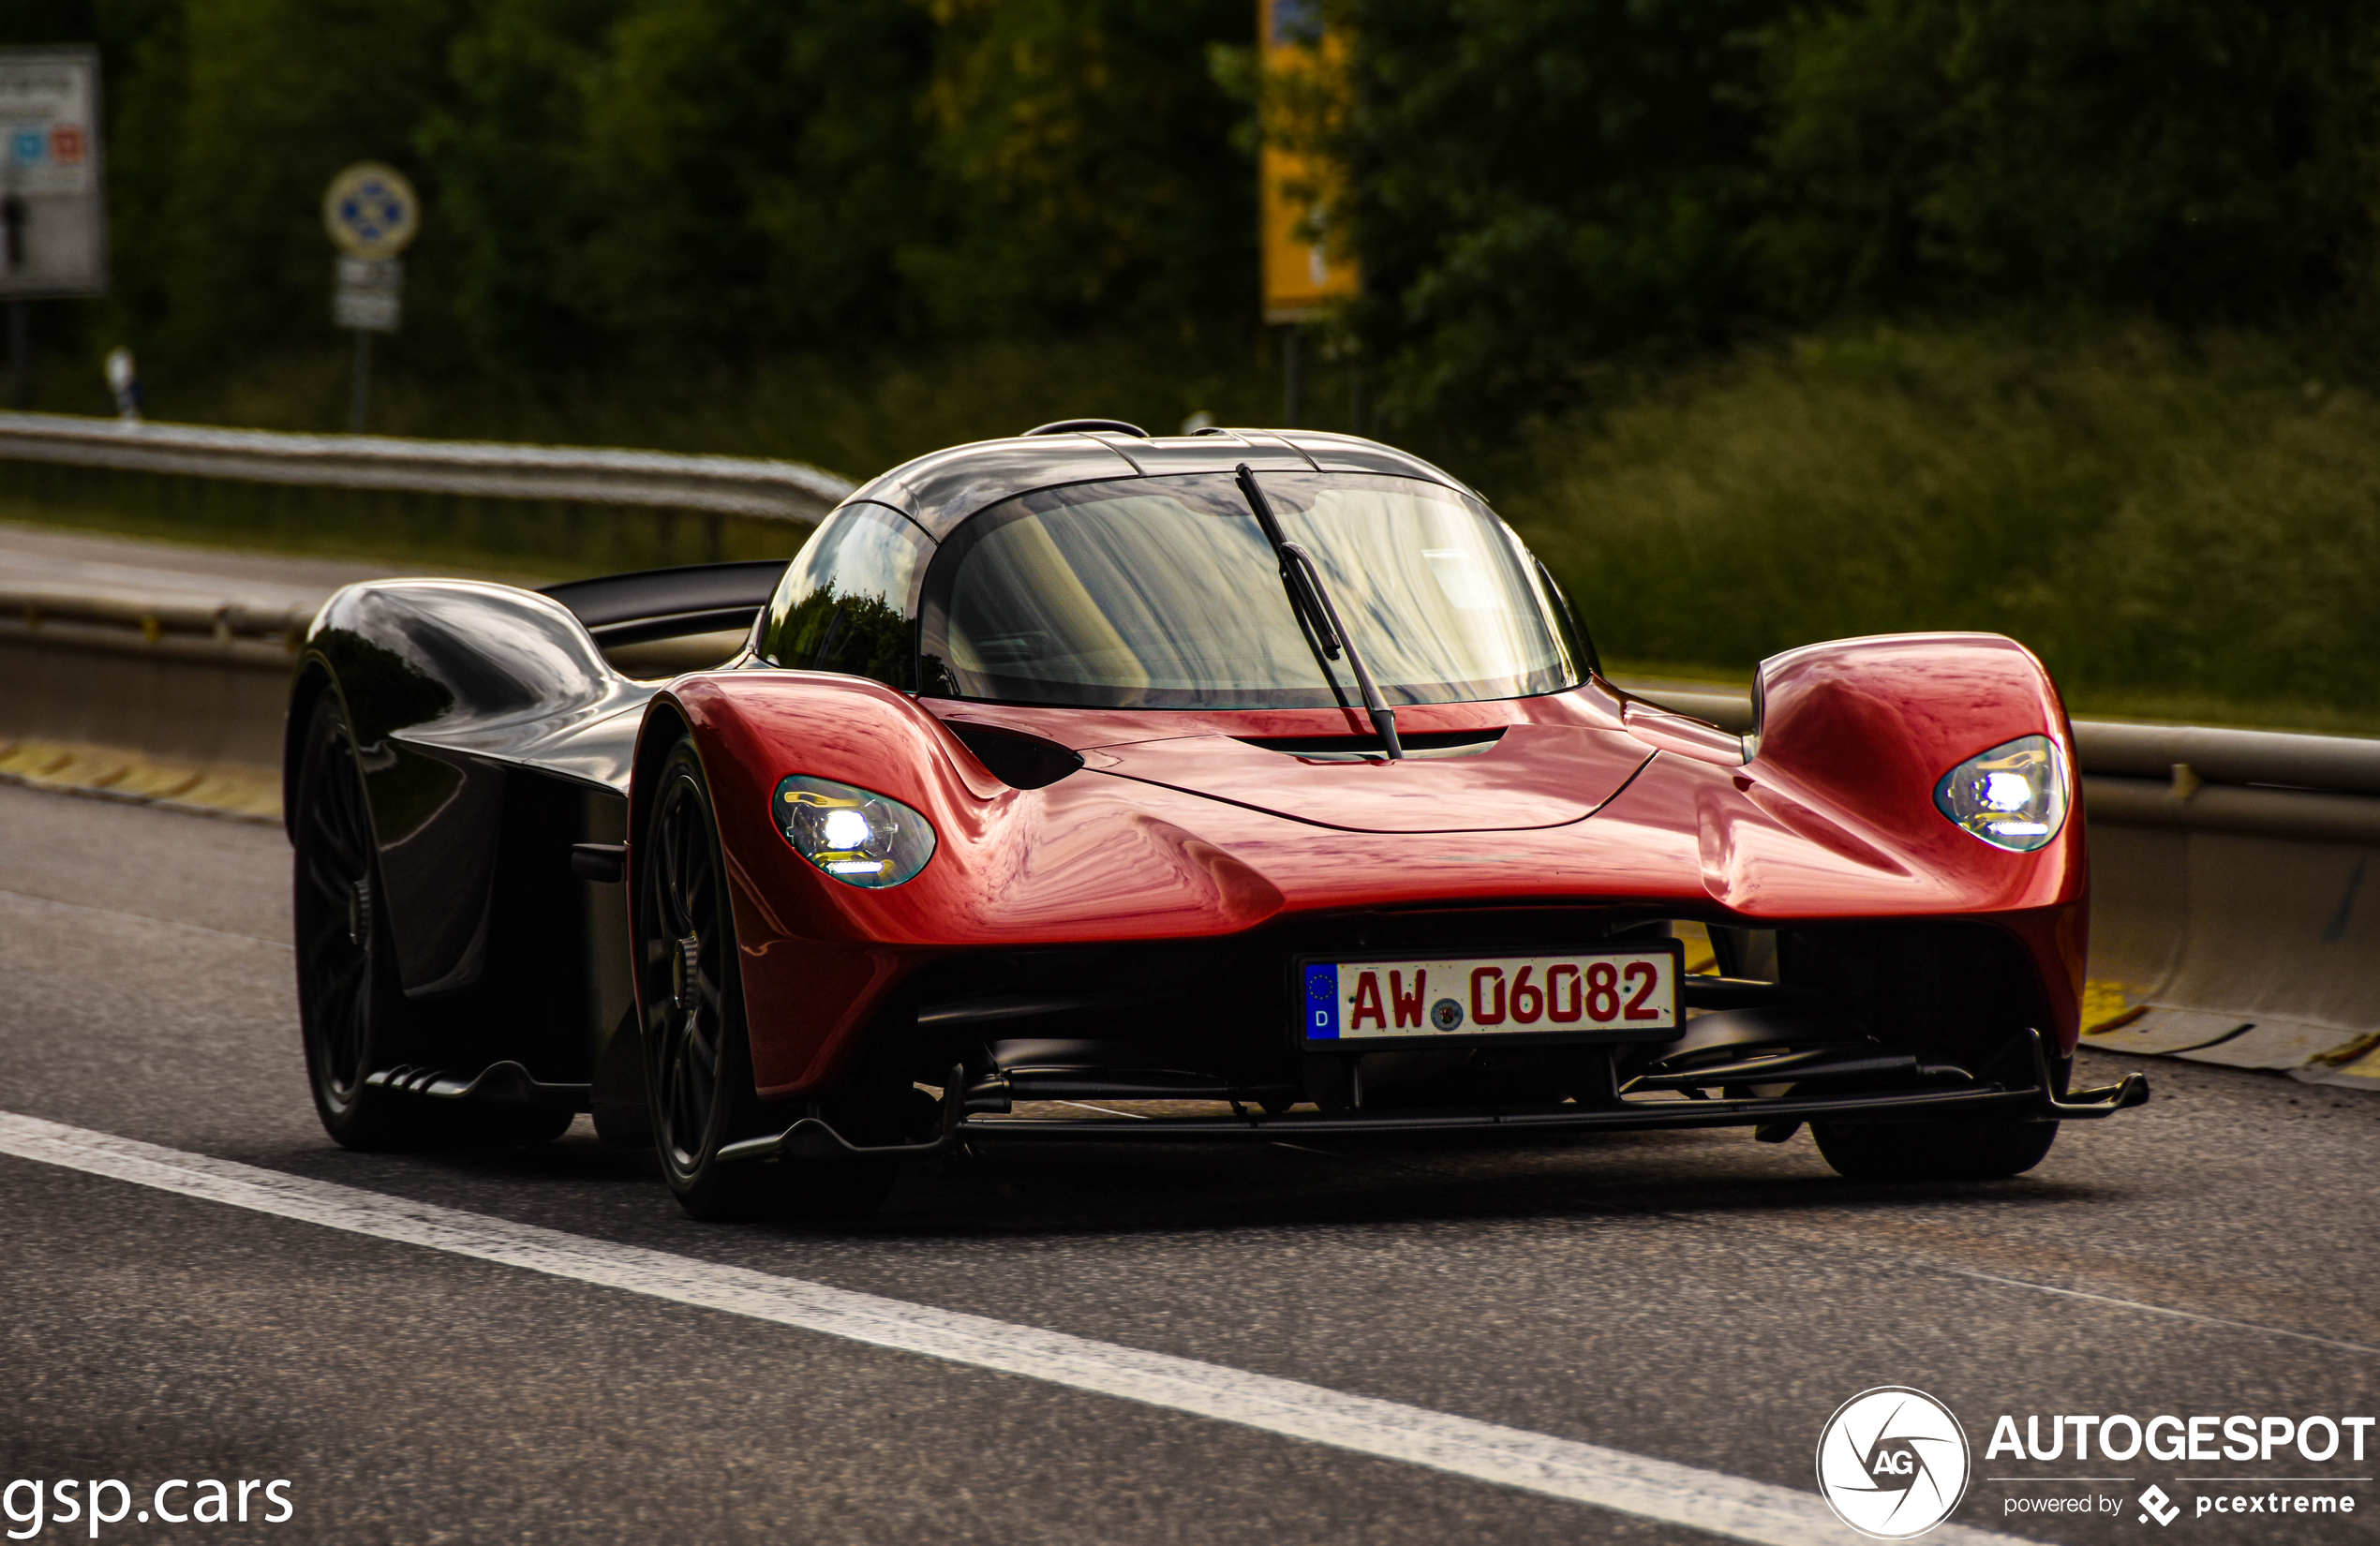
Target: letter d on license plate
[1587, 995]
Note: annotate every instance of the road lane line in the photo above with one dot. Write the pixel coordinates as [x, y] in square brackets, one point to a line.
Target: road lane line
[143, 918]
[1651, 1489]
[2147, 1309]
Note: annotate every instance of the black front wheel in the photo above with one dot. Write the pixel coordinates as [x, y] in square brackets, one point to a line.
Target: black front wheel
[1975, 1149]
[698, 1063]
[697, 1048]
[1940, 1150]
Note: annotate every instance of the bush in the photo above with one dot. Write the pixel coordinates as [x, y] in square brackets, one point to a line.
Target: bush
[2178, 529]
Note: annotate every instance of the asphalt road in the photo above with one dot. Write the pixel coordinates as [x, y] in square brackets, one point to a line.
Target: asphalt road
[1695, 1298]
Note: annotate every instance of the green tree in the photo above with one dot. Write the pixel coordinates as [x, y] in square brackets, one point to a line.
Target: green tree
[1542, 187]
[1084, 167]
[237, 115]
[1540, 183]
[2202, 158]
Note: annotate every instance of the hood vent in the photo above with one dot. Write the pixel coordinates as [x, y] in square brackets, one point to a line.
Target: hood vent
[1356, 749]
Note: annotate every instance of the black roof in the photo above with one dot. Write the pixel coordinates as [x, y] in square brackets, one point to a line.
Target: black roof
[942, 489]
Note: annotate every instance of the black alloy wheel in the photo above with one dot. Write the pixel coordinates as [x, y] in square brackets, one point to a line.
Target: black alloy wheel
[348, 1004]
[698, 1066]
[697, 1062]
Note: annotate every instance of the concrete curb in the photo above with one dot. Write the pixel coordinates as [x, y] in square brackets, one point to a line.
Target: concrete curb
[231, 793]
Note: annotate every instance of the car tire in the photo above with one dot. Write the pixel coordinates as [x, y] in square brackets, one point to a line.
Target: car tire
[1943, 1151]
[697, 1044]
[698, 1073]
[351, 1010]
[1939, 1150]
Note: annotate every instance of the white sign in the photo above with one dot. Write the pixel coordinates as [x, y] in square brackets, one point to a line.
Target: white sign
[370, 294]
[371, 211]
[53, 230]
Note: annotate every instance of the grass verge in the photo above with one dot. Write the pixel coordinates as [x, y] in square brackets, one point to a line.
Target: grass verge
[2180, 528]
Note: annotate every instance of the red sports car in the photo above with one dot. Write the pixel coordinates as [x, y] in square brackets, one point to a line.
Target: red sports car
[1094, 786]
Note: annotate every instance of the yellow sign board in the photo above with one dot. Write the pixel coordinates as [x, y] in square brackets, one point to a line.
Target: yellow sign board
[1303, 275]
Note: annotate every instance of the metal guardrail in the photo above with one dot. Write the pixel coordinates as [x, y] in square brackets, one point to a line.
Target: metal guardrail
[155, 616]
[717, 485]
[2255, 781]
[2279, 759]
[2191, 778]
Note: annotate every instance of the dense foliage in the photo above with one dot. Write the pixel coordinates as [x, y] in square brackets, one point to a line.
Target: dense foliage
[1541, 186]
[676, 183]
[2184, 530]
[1547, 184]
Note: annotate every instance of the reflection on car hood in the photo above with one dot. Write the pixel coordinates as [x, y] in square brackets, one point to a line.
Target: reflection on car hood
[1535, 776]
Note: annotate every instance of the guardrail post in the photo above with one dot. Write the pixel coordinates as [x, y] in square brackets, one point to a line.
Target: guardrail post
[21, 352]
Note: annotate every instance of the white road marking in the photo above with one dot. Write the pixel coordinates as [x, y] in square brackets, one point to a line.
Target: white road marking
[1651, 1489]
[143, 918]
[2159, 1310]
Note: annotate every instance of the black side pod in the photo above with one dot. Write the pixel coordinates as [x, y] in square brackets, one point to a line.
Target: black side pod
[605, 863]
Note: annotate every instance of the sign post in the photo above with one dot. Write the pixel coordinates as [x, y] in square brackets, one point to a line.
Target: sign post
[53, 221]
[372, 215]
[1302, 277]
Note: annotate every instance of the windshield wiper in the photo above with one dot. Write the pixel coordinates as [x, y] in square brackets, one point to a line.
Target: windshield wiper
[1313, 625]
[1303, 578]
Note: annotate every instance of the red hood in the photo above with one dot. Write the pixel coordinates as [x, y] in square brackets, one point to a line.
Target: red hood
[1532, 775]
[1536, 762]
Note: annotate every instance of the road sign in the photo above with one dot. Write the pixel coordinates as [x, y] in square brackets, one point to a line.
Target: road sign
[53, 226]
[371, 211]
[370, 295]
[1303, 275]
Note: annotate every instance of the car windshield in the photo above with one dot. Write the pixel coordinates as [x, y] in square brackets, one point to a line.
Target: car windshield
[1162, 593]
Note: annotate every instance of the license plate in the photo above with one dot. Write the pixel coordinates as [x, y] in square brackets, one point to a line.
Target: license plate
[1602, 995]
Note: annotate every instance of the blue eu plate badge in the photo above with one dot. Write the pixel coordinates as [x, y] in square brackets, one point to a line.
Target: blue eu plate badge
[1322, 1002]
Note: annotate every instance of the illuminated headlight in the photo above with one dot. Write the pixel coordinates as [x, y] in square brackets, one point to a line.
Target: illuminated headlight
[858, 837]
[2013, 796]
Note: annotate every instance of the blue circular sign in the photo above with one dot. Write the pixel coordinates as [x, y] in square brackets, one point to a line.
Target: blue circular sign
[371, 211]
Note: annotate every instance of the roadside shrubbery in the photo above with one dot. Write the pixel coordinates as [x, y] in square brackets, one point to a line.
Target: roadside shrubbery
[2186, 529]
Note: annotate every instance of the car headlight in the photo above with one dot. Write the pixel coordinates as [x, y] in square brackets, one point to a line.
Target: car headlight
[858, 837]
[2013, 796]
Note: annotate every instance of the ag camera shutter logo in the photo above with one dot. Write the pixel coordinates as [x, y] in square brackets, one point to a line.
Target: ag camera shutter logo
[1892, 1462]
